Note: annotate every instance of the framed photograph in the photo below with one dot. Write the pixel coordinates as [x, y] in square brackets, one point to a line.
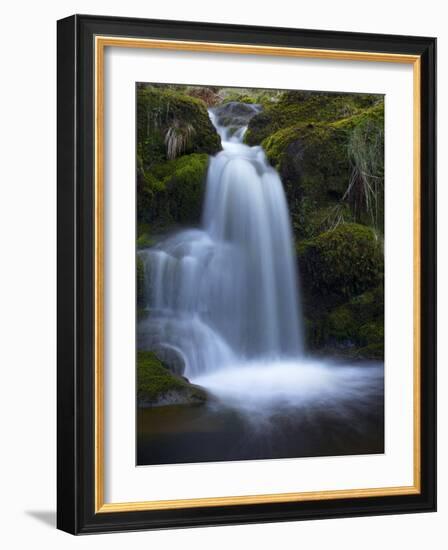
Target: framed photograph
[246, 274]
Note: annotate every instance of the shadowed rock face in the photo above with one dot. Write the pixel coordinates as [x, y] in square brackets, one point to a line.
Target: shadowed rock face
[234, 115]
[191, 395]
[171, 358]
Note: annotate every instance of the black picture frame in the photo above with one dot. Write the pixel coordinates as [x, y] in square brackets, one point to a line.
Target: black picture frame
[76, 511]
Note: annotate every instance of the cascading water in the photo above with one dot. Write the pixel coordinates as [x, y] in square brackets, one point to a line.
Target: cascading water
[223, 308]
[226, 293]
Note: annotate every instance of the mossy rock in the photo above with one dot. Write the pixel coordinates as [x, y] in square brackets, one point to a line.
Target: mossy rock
[157, 386]
[206, 94]
[172, 193]
[165, 115]
[144, 240]
[342, 263]
[316, 160]
[354, 329]
[144, 237]
[314, 166]
[374, 114]
[174, 138]
[250, 95]
[185, 186]
[297, 107]
[330, 161]
[361, 325]
[339, 269]
[311, 221]
[238, 97]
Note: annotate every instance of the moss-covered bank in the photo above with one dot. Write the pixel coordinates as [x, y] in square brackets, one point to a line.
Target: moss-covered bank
[157, 386]
[342, 280]
[329, 171]
[305, 107]
[174, 138]
[171, 194]
[170, 124]
[357, 327]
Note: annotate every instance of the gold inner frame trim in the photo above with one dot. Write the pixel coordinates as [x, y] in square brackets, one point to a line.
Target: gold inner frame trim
[101, 42]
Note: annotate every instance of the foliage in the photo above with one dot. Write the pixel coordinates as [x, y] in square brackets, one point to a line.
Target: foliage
[365, 191]
[313, 219]
[178, 138]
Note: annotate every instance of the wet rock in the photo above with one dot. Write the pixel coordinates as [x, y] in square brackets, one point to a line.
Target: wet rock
[157, 386]
[171, 359]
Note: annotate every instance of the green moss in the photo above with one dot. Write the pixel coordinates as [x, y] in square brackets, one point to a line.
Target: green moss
[321, 162]
[329, 151]
[155, 382]
[296, 107]
[174, 138]
[342, 279]
[355, 327]
[240, 98]
[144, 241]
[341, 263]
[373, 114]
[311, 220]
[342, 324]
[312, 160]
[315, 168]
[250, 95]
[371, 333]
[161, 110]
[153, 379]
[369, 305]
[173, 193]
[184, 180]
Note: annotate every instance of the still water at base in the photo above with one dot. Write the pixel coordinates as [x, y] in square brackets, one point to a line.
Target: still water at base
[271, 410]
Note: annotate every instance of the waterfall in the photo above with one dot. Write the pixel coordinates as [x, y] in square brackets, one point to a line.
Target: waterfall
[226, 293]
